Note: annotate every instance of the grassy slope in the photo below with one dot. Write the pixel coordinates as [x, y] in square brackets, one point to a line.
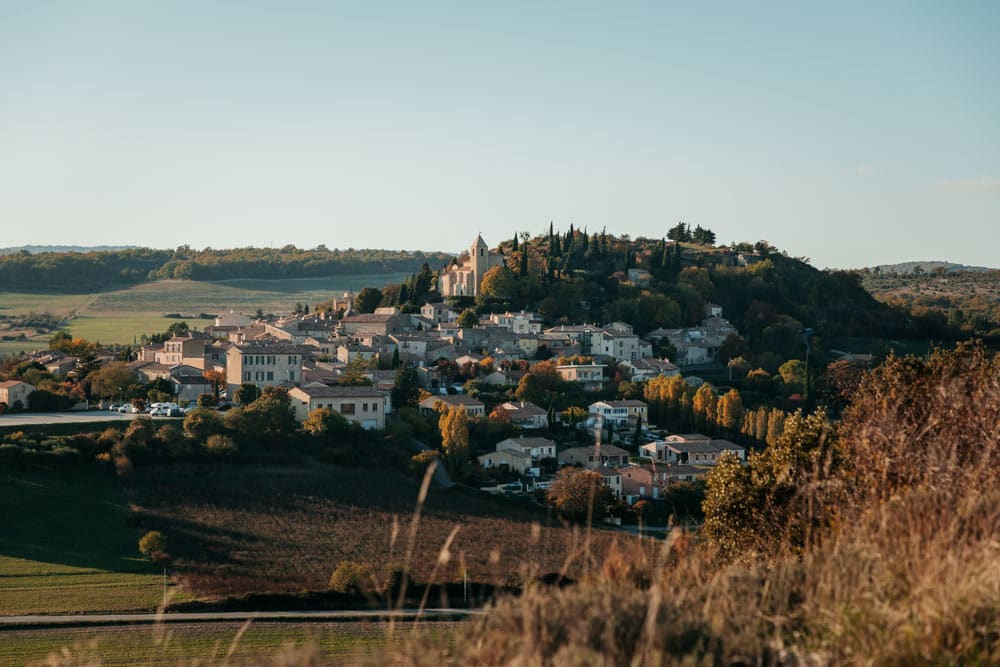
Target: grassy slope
[120, 315]
[65, 545]
[242, 529]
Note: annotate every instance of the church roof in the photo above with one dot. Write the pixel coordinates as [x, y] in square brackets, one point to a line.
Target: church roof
[480, 243]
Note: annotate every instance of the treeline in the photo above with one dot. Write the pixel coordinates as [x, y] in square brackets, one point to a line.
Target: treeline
[78, 272]
[88, 271]
[290, 262]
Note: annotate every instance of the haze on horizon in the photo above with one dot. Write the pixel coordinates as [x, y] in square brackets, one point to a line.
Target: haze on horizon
[853, 134]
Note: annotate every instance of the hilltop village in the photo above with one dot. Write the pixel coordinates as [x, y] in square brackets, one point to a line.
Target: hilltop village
[642, 404]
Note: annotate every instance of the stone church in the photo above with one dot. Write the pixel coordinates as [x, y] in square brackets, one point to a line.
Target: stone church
[465, 279]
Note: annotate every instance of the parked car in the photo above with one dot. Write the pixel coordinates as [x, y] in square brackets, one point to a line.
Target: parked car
[176, 412]
[127, 409]
[159, 411]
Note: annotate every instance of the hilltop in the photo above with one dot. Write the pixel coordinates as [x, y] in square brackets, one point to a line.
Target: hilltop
[926, 266]
[769, 296]
[942, 301]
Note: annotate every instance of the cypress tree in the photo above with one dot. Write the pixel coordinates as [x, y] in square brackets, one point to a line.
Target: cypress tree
[513, 246]
[524, 260]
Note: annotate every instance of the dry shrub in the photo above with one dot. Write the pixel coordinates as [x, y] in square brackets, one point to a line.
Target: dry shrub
[353, 578]
[123, 466]
[925, 423]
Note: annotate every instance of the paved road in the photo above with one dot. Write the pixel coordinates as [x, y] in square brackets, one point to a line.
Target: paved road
[11, 622]
[82, 417]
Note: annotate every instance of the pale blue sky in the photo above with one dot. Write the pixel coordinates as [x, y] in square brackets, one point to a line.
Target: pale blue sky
[851, 133]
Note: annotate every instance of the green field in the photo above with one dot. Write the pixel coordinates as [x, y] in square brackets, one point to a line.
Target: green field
[122, 315]
[17, 347]
[190, 643]
[65, 545]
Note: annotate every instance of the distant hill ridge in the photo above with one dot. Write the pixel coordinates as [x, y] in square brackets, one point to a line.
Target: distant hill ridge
[928, 266]
[82, 270]
[37, 249]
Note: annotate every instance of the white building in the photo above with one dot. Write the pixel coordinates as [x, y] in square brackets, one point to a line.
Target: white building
[620, 413]
[364, 405]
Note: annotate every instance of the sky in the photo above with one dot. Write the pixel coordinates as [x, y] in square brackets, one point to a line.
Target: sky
[851, 133]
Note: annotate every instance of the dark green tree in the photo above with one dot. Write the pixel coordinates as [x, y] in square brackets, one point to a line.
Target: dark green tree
[467, 319]
[405, 387]
[247, 393]
[367, 300]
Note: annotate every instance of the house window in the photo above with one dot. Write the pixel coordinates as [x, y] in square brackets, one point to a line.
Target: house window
[270, 376]
[374, 407]
[347, 408]
[364, 407]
